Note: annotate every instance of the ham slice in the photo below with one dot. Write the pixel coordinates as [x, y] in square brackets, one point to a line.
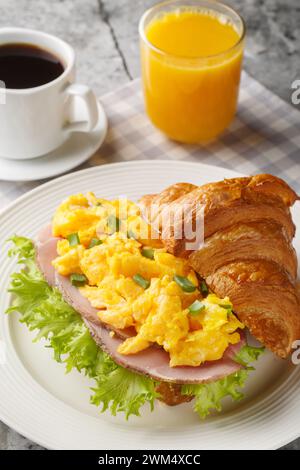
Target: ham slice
[154, 361]
[45, 253]
[46, 249]
[45, 234]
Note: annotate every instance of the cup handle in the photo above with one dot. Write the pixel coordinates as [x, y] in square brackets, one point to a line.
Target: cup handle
[87, 95]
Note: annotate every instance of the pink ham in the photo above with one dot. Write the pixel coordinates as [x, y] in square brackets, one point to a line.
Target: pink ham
[45, 234]
[46, 253]
[154, 361]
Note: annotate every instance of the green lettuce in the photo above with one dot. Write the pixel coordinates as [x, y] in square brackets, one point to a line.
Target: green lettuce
[248, 354]
[43, 309]
[123, 387]
[209, 396]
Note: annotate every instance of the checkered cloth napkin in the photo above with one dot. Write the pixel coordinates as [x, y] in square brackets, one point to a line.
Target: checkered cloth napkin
[264, 137]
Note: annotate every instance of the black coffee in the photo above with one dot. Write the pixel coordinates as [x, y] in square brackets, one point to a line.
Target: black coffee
[27, 66]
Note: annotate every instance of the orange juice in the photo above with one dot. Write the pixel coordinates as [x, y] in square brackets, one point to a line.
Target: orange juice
[191, 64]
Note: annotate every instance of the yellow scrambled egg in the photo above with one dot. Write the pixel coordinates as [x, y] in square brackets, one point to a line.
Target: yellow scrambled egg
[128, 276]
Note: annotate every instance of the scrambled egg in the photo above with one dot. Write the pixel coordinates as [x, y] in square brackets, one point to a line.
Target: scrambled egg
[129, 277]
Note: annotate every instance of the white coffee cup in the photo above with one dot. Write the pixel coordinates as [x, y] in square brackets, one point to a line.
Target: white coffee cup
[35, 121]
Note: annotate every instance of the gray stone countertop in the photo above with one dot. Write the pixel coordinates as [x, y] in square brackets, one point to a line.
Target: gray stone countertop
[104, 35]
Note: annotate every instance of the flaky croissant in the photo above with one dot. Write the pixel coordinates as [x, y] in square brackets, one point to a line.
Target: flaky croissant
[247, 252]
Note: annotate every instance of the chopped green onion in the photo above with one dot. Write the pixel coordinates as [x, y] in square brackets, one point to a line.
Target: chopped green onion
[185, 284]
[131, 234]
[227, 306]
[196, 307]
[95, 242]
[141, 281]
[113, 223]
[78, 279]
[203, 288]
[73, 239]
[148, 253]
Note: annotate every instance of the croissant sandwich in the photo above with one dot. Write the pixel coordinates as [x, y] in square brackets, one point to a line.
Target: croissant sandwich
[143, 315]
[247, 252]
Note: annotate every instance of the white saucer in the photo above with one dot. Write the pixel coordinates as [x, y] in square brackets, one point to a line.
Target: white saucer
[77, 149]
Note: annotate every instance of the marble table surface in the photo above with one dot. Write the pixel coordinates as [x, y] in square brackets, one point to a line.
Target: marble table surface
[104, 35]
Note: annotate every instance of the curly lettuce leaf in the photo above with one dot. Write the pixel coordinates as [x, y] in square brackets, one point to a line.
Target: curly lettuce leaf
[209, 396]
[42, 308]
[121, 387]
[248, 354]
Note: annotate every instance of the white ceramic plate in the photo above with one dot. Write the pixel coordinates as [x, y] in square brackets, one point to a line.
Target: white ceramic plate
[51, 408]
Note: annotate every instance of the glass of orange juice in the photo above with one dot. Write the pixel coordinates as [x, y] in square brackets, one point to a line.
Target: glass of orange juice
[191, 57]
